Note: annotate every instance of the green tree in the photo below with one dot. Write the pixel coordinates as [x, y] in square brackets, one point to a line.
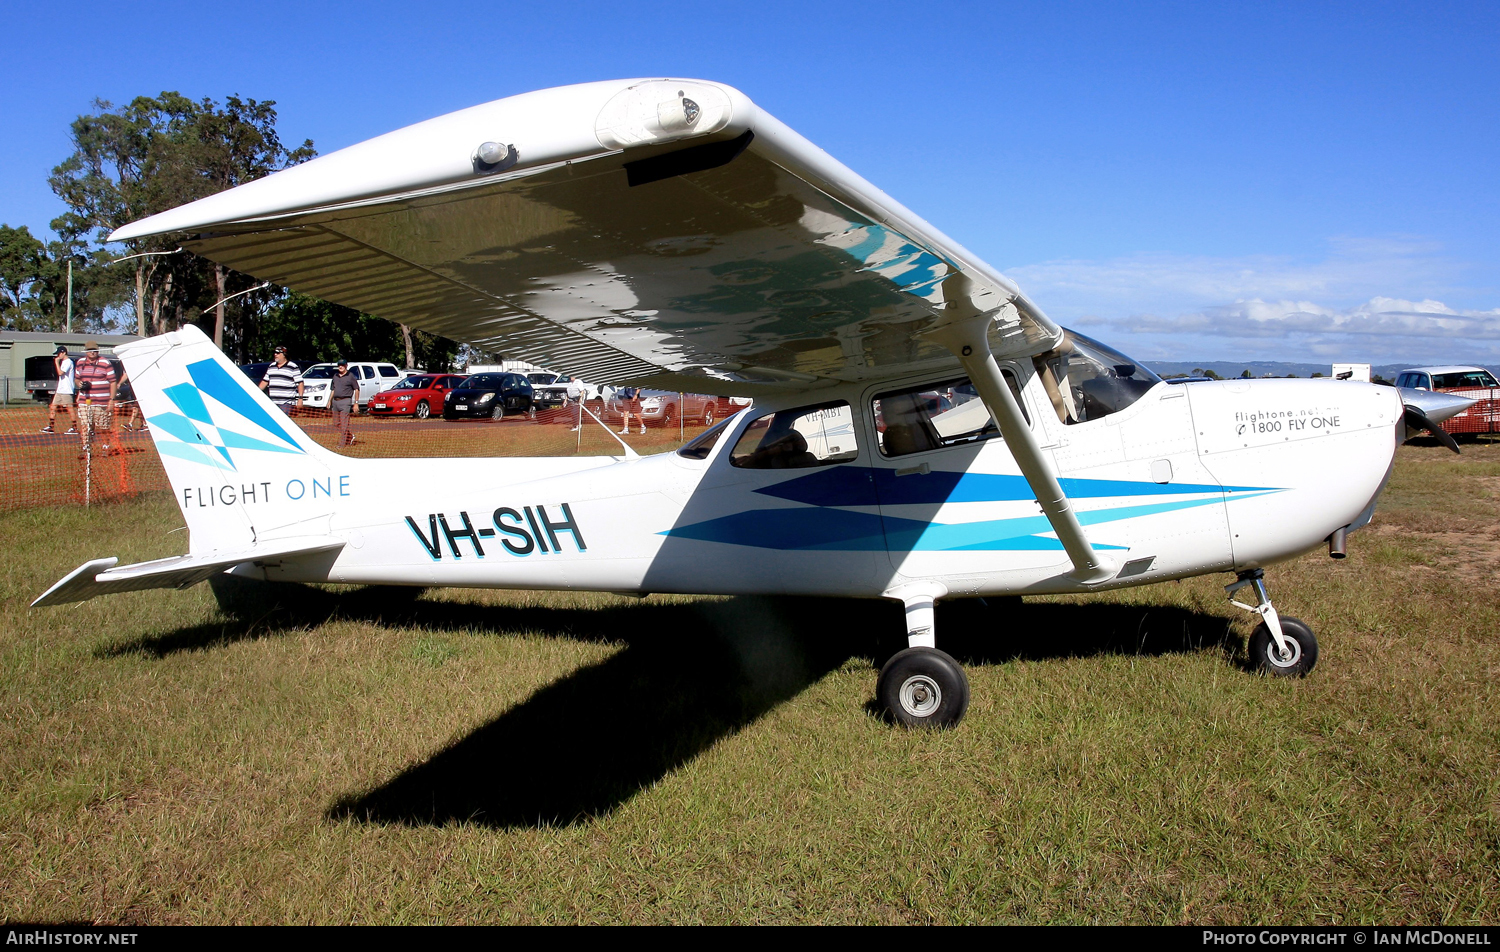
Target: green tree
[23, 266]
[235, 145]
[311, 328]
[126, 165]
[1246, 373]
[154, 154]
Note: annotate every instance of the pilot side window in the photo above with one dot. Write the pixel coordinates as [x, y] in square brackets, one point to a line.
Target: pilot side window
[935, 415]
[820, 435]
[1086, 380]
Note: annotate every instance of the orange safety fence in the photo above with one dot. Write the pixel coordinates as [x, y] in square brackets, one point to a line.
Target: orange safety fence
[48, 469]
[1482, 417]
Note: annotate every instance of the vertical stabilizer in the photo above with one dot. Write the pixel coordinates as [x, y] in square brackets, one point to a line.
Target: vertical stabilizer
[242, 472]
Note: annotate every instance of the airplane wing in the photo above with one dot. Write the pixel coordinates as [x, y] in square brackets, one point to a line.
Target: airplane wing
[663, 233]
[100, 577]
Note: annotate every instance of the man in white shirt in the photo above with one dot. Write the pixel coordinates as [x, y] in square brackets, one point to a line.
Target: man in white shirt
[575, 396]
[63, 395]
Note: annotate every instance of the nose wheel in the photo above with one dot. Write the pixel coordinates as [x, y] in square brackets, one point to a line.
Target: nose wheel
[1279, 645]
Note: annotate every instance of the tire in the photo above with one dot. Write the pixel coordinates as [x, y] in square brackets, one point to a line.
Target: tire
[499, 412]
[669, 415]
[423, 411]
[708, 414]
[923, 687]
[1263, 654]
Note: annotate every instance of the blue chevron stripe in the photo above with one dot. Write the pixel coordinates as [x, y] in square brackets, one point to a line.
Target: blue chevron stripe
[213, 380]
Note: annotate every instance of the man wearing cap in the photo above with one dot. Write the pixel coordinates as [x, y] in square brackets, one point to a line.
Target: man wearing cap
[94, 379]
[345, 386]
[282, 382]
[63, 395]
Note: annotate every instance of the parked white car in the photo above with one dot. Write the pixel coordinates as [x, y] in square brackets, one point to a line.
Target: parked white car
[552, 389]
[374, 377]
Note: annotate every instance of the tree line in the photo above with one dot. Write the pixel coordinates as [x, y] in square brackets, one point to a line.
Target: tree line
[146, 157]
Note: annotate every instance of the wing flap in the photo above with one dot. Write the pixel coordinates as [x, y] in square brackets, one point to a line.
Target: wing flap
[100, 576]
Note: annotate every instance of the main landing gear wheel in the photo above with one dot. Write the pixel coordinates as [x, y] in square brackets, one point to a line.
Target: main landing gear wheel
[923, 687]
[423, 410]
[1301, 649]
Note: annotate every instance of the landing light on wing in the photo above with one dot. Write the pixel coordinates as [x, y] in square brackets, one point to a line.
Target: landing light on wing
[492, 156]
[660, 111]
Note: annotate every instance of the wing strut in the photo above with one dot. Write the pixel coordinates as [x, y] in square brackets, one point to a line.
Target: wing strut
[966, 333]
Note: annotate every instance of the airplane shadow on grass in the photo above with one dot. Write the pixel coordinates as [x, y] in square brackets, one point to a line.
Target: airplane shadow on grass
[688, 675]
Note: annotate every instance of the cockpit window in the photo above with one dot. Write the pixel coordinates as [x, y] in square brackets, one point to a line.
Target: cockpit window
[820, 435]
[1086, 380]
[704, 443]
[923, 418]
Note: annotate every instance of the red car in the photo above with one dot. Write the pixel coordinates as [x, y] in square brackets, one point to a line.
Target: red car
[416, 396]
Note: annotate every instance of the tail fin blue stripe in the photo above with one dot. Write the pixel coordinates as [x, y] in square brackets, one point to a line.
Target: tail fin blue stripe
[189, 401]
[209, 377]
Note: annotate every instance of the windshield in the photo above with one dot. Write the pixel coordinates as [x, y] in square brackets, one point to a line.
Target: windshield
[1463, 378]
[485, 382]
[414, 383]
[1085, 380]
[542, 378]
[320, 372]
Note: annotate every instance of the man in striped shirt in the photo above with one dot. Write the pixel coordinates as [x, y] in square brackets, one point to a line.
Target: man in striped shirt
[94, 379]
[283, 382]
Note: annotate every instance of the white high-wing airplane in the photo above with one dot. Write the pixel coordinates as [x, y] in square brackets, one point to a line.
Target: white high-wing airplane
[920, 430]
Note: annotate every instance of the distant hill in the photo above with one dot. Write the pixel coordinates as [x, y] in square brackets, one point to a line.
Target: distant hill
[1260, 368]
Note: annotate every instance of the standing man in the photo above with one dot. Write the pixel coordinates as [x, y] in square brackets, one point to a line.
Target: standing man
[283, 382]
[63, 395]
[94, 378]
[575, 395]
[630, 402]
[345, 386]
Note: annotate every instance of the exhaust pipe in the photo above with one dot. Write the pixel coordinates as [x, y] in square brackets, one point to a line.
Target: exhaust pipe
[1336, 543]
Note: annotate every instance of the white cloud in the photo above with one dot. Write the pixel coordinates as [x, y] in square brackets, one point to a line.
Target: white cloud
[1346, 306]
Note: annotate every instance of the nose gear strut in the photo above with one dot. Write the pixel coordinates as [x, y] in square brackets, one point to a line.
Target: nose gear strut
[1279, 645]
[1256, 578]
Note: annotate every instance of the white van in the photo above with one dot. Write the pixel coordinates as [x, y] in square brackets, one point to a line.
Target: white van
[317, 382]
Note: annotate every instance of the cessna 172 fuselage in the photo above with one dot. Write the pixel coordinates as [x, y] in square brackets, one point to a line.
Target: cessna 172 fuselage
[920, 430]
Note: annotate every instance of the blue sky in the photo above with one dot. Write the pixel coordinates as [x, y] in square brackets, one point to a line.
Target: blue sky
[1187, 181]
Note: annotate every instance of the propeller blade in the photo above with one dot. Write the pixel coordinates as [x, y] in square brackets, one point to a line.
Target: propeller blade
[1417, 420]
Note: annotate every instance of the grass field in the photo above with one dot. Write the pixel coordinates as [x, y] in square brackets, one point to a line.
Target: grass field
[323, 755]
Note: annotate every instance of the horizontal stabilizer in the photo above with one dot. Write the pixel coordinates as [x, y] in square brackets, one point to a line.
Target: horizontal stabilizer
[100, 577]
